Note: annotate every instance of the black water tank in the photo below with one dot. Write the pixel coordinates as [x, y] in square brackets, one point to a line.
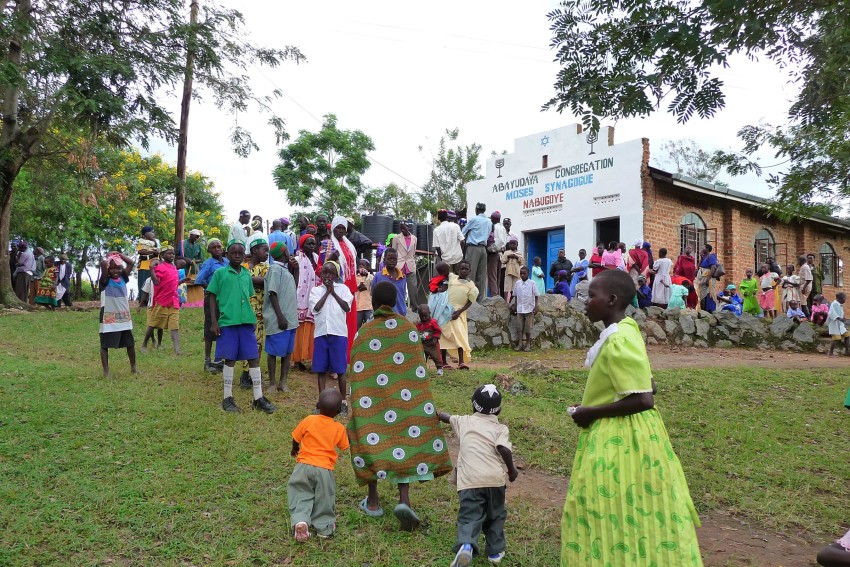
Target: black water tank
[425, 237]
[376, 227]
[396, 228]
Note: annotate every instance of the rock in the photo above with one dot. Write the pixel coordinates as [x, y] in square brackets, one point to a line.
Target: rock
[630, 311]
[578, 305]
[790, 345]
[781, 326]
[727, 318]
[699, 343]
[723, 343]
[565, 342]
[687, 340]
[751, 324]
[805, 335]
[702, 327]
[639, 317]
[478, 313]
[688, 325]
[654, 329]
[530, 367]
[671, 328]
[497, 341]
[551, 304]
[654, 312]
[672, 313]
[651, 341]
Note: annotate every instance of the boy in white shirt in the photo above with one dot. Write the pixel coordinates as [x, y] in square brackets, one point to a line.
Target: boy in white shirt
[835, 323]
[329, 304]
[524, 300]
[483, 463]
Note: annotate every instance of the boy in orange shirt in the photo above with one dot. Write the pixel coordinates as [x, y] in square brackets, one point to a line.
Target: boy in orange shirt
[311, 490]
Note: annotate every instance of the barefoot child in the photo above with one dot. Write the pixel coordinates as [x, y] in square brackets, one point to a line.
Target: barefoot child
[364, 293]
[538, 276]
[233, 321]
[820, 310]
[835, 324]
[165, 313]
[280, 316]
[329, 303]
[512, 262]
[208, 268]
[429, 332]
[116, 324]
[484, 462]
[394, 430]
[627, 488]
[311, 490]
[524, 299]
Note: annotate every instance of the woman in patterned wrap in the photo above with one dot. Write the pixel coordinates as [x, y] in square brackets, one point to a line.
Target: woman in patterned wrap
[394, 429]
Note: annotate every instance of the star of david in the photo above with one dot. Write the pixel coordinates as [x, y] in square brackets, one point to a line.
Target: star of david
[544, 141]
[490, 390]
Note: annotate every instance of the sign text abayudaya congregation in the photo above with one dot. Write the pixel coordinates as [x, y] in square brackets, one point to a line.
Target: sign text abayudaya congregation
[565, 178]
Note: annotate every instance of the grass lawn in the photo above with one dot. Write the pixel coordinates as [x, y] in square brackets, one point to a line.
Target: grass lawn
[148, 470]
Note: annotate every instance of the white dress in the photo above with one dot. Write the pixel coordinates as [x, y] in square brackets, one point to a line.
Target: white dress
[660, 291]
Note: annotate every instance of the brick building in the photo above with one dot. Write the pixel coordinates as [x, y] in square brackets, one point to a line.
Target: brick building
[563, 189]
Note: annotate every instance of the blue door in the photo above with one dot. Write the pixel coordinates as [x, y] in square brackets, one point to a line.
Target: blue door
[554, 243]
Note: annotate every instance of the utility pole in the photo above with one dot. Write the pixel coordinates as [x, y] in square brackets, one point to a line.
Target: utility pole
[182, 140]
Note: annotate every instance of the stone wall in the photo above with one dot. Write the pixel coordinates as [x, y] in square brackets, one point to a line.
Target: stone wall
[559, 324]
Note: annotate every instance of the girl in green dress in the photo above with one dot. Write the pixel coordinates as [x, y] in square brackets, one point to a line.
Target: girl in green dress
[628, 503]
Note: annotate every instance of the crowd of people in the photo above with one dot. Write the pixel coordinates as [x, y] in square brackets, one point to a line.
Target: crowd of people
[39, 278]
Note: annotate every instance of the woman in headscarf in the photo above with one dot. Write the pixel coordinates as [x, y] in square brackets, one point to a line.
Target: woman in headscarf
[304, 272]
[342, 251]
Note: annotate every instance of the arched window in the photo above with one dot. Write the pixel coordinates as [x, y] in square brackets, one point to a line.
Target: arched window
[765, 247]
[692, 232]
[828, 263]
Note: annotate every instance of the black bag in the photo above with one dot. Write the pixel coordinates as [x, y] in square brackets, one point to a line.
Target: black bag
[717, 271]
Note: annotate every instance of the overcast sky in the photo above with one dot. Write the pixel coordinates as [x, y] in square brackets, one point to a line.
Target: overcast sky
[404, 72]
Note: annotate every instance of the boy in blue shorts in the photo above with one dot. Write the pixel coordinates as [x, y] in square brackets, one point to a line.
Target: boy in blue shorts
[280, 315]
[329, 303]
[233, 321]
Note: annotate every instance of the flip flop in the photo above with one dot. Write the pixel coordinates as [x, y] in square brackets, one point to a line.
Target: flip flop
[462, 367]
[365, 509]
[302, 532]
[407, 518]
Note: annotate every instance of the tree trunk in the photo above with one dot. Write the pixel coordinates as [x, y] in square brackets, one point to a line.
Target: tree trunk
[7, 294]
[182, 140]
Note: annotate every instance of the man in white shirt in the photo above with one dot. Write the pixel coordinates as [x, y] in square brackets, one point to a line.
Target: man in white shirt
[495, 246]
[524, 298]
[807, 279]
[239, 230]
[447, 241]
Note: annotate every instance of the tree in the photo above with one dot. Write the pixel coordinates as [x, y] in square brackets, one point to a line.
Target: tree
[103, 67]
[100, 198]
[323, 169]
[622, 60]
[688, 158]
[398, 202]
[451, 170]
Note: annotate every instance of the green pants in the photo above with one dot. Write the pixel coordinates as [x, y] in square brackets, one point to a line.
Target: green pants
[311, 492]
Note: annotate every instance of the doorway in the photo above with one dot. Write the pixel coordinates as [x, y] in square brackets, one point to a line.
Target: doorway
[545, 244]
[607, 230]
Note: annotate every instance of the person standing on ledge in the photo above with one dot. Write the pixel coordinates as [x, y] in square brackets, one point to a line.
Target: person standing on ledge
[476, 232]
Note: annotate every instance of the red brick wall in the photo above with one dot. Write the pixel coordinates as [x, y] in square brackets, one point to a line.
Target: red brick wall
[736, 226]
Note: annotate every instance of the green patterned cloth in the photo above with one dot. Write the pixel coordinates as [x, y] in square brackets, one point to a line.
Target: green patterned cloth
[394, 429]
[628, 502]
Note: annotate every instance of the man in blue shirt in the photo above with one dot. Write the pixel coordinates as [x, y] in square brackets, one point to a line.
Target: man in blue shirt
[391, 273]
[205, 274]
[476, 232]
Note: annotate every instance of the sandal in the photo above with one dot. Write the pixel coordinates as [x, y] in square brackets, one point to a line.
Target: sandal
[302, 532]
[462, 366]
[364, 507]
[407, 518]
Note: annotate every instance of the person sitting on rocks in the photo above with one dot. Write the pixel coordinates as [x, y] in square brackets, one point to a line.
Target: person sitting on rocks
[820, 310]
[730, 300]
[794, 312]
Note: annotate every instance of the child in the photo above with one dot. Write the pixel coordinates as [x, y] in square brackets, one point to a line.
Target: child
[483, 459]
[730, 300]
[364, 293]
[462, 293]
[678, 293]
[820, 310]
[165, 313]
[205, 273]
[644, 293]
[306, 278]
[538, 275]
[835, 323]
[750, 291]
[180, 264]
[329, 304]
[257, 265]
[311, 490]
[429, 332]
[581, 289]
[512, 261]
[640, 482]
[280, 316]
[116, 323]
[524, 301]
[767, 297]
[233, 322]
[394, 428]
[562, 285]
[46, 291]
[791, 283]
[794, 312]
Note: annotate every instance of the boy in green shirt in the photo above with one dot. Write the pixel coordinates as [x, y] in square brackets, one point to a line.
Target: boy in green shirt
[233, 321]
